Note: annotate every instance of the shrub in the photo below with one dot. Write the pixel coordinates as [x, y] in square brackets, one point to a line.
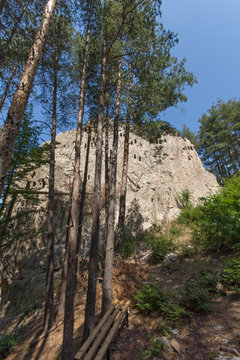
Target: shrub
[154, 350]
[199, 292]
[160, 247]
[9, 341]
[129, 243]
[231, 274]
[184, 199]
[218, 223]
[150, 298]
[189, 215]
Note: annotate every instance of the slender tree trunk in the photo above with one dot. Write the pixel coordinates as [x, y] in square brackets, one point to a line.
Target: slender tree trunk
[60, 312]
[123, 189]
[84, 187]
[89, 322]
[12, 124]
[106, 171]
[13, 32]
[67, 347]
[8, 86]
[108, 268]
[49, 299]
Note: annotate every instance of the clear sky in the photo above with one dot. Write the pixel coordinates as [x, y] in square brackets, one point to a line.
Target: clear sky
[209, 38]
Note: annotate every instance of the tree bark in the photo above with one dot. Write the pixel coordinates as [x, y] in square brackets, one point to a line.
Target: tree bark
[123, 189]
[49, 299]
[89, 322]
[13, 32]
[108, 268]
[67, 347]
[83, 195]
[106, 171]
[12, 124]
[8, 86]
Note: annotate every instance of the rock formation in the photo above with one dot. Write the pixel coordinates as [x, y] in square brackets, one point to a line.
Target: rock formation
[157, 174]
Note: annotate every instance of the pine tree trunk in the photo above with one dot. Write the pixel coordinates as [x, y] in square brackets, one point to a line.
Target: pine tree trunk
[12, 124]
[13, 32]
[108, 268]
[49, 300]
[83, 195]
[106, 171]
[67, 347]
[60, 312]
[123, 189]
[89, 322]
[8, 86]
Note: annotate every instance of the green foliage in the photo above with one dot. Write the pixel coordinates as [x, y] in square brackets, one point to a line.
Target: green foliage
[160, 247]
[151, 298]
[218, 222]
[219, 138]
[9, 341]
[129, 243]
[189, 215]
[231, 274]
[152, 131]
[190, 135]
[164, 328]
[184, 199]
[199, 291]
[154, 350]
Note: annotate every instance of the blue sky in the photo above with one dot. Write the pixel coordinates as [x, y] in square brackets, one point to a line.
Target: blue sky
[209, 38]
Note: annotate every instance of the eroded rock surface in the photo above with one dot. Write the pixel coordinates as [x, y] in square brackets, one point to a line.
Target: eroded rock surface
[157, 174]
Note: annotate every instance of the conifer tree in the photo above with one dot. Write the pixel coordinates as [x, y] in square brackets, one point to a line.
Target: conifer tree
[13, 121]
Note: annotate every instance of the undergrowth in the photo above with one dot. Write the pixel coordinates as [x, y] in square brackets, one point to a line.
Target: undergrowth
[9, 341]
[196, 296]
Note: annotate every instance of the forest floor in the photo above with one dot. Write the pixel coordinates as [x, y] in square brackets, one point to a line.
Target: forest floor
[212, 335]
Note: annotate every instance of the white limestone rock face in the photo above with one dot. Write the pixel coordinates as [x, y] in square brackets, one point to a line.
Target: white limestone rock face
[157, 174]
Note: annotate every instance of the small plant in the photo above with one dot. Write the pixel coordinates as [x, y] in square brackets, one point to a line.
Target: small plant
[9, 341]
[150, 298]
[160, 246]
[175, 231]
[184, 199]
[199, 292]
[154, 350]
[231, 275]
[129, 243]
[164, 328]
[174, 312]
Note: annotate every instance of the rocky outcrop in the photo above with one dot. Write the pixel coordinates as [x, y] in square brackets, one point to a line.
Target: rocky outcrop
[157, 174]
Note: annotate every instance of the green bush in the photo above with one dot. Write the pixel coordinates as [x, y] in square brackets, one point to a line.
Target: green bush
[130, 243]
[189, 215]
[160, 247]
[218, 223]
[150, 298]
[154, 350]
[200, 291]
[231, 274]
[184, 199]
[9, 341]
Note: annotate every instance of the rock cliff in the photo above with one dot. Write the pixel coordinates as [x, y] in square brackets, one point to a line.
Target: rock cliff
[157, 174]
